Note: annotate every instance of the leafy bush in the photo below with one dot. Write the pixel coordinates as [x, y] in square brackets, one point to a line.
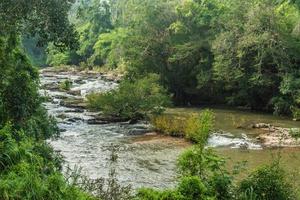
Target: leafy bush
[192, 188]
[281, 106]
[210, 168]
[56, 57]
[108, 47]
[268, 183]
[65, 85]
[295, 133]
[296, 113]
[30, 170]
[41, 126]
[132, 100]
[189, 188]
[198, 127]
[19, 97]
[147, 194]
[151, 194]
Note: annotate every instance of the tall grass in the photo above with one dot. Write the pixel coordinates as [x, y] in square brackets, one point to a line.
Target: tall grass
[195, 127]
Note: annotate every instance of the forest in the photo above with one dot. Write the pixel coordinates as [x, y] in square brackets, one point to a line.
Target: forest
[206, 52]
[164, 55]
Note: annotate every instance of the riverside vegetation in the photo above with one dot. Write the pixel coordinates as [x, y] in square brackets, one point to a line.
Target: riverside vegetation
[244, 53]
[238, 53]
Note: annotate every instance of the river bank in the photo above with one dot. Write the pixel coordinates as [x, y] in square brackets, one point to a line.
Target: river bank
[86, 138]
[265, 129]
[88, 145]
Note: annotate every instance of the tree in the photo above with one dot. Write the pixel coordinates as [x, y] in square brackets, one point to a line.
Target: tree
[93, 18]
[132, 100]
[19, 98]
[253, 52]
[38, 17]
[189, 74]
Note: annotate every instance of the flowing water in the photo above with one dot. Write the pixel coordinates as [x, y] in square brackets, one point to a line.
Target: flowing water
[143, 160]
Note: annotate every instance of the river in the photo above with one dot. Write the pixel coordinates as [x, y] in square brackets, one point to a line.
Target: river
[143, 160]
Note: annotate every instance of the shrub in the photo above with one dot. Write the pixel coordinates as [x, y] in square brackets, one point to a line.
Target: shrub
[65, 85]
[198, 127]
[147, 194]
[295, 133]
[56, 57]
[192, 188]
[30, 170]
[189, 188]
[151, 194]
[296, 113]
[170, 125]
[171, 195]
[210, 168]
[194, 127]
[19, 97]
[268, 183]
[197, 161]
[41, 126]
[132, 100]
[281, 106]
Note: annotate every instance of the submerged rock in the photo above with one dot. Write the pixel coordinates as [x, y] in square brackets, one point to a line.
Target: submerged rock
[105, 120]
[96, 121]
[75, 103]
[74, 92]
[76, 110]
[50, 86]
[62, 130]
[61, 116]
[138, 131]
[74, 119]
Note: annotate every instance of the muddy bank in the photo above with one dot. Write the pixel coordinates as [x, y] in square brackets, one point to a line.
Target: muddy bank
[155, 138]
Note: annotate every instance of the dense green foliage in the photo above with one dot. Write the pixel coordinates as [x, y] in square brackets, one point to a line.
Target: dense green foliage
[240, 53]
[199, 127]
[237, 52]
[132, 100]
[65, 85]
[31, 171]
[93, 19]
[261, 183]
[189, 188]
[29, 168]
[37, 55]
[261, 57]
[19, 97]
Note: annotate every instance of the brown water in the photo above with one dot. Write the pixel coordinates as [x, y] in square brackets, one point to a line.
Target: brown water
[288, 157]
[229, 120]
